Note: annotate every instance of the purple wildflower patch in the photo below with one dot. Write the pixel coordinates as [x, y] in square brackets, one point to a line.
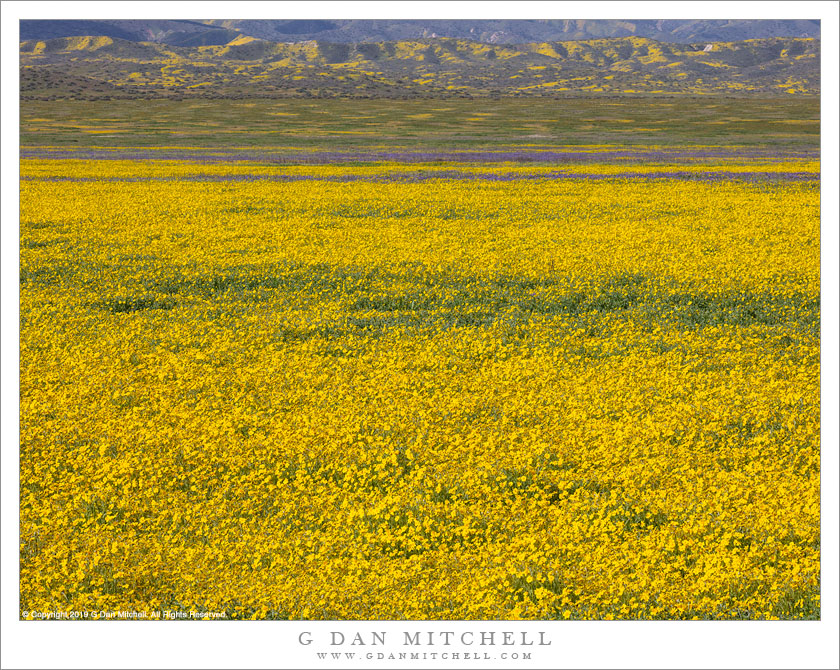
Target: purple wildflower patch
[558, 157]
[418, 177]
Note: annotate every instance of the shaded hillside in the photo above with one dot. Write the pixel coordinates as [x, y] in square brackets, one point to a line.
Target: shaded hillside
[100, 66]
[494, 31]
[510, 31]
[184, 33]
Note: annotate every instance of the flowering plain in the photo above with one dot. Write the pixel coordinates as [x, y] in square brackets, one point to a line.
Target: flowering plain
[538, 382]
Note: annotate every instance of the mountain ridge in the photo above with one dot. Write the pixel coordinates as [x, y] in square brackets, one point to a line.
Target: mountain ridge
[493, 31]
[253, 67]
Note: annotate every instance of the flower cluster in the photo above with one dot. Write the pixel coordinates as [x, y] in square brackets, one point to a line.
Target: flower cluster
[439, 398]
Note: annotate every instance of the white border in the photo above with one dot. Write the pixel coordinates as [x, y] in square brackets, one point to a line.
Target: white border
[269, 644]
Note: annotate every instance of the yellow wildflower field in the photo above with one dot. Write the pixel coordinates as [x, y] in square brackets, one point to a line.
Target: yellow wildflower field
[421, 391]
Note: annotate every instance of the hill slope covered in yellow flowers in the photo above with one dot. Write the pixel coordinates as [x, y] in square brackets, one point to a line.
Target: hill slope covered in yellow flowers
[95, 67]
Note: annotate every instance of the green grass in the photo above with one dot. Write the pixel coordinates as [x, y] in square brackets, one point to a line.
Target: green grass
[335, 125]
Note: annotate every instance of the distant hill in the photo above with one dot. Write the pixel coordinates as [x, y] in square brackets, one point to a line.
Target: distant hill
[186, 33]
[100, 66]
[491, 31]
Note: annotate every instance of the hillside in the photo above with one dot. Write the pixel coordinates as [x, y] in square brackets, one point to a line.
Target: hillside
[95, 67]
[519, 31]
[494, 31]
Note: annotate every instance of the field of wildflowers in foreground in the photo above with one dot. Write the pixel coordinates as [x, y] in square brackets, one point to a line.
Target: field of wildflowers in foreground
[582, 384]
